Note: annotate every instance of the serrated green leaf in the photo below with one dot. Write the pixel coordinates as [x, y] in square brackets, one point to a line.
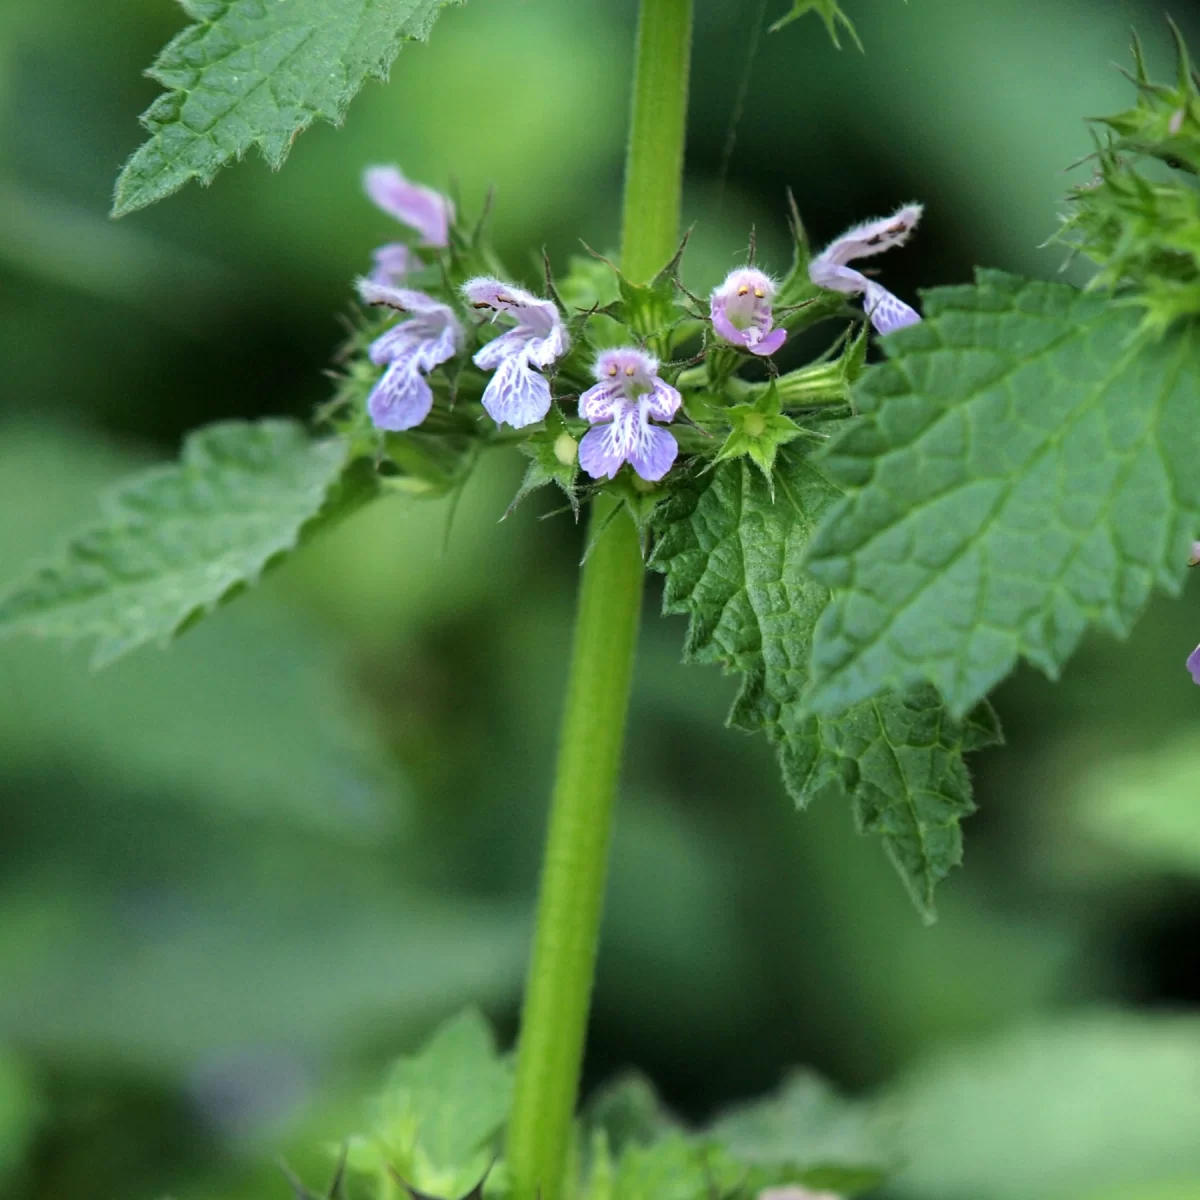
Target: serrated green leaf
[732, 559]
[441, 1111]
[178, 540]
[1025, 467]
[1102, 1106]
[256, 73]
[810, 1134]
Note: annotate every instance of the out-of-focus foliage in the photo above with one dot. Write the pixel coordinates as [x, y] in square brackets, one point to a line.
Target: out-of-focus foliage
[197, 845]
[1093, 1108]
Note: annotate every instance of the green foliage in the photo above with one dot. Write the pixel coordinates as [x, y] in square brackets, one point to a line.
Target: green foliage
[1144, 233]
[19, 1117]
[256, 73]
[1024, 467]
[1142, 806]
[829, 11]
[732, 558]
[553, 455]
[178, 540]
[809, 1135]
[1093, 1108]
[757, 430]
[438, 1119]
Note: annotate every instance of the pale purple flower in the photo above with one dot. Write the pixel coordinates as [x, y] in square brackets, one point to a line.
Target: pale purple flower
[518, 393]
[741, 311]
[829, 269]
[420, 208]
[620, 406]
[392, 264]
[1194, 557]
[1193, 664]
[432, 334]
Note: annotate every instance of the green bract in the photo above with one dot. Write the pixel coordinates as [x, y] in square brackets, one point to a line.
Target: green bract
[254, 73]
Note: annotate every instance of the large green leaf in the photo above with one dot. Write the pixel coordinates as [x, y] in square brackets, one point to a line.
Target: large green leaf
[732, 556]
[178, 540]
[1094, 1108]
[255, 73]
[1025, 467]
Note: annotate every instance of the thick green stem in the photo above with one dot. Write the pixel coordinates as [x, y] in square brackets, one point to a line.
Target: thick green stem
[654, 165]
[558, 990]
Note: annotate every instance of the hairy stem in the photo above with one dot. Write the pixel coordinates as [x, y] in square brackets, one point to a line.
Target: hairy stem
[559, 987]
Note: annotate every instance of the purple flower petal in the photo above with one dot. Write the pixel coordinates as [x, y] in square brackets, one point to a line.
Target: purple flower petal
[401, 399]
[600, 454]
[663, 401]
[601, 402]
[724, 327]
[517, 394]
[1193, 664]
[392, 263]
[871, 237]
[653, 452]
[888, 312]
[420, 208]
[770, 344]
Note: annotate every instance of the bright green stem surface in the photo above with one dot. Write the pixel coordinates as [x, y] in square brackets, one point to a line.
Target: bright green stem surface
[559, 988]
[654, 166]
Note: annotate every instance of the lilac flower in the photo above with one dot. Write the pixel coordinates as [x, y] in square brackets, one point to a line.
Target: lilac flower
[420, 208]
[1193, 664]
[518, 393]
[829, 269]
[393, 262]
[741, 311]
[629, 393]
[402, 398]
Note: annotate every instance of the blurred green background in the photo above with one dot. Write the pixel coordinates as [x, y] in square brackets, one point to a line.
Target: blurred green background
[236, 878]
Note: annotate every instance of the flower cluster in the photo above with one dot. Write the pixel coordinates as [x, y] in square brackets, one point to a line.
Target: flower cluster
[830, 270]
[630, 403]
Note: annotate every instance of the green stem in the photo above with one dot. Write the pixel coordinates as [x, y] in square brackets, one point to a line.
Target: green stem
[559, 987]
[654, 164]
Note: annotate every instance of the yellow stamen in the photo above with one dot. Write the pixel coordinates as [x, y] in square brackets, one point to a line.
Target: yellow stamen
[743, 290]
[629, 370]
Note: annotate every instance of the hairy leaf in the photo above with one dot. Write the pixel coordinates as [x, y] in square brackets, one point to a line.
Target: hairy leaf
[732, 558]
[257, 73]
[178, 540]
[1025, 467]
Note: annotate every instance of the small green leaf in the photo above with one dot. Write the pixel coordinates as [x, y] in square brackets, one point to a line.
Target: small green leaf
[732, 558]
[1025, 467]
[809, 1135]
[256, 73]
[178, 540]
[442, 1110]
